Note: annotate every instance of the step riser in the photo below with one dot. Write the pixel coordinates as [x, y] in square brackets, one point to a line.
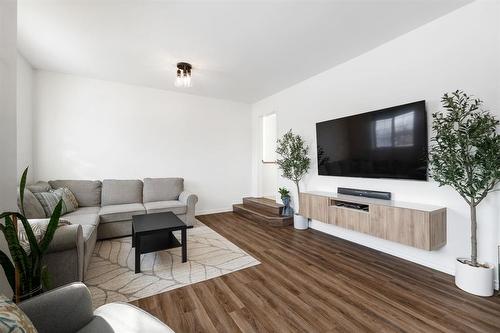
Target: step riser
[260, 207]
[272, 221]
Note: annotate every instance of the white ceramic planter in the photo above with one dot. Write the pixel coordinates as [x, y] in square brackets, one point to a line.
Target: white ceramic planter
[475, 280]
[300, 222]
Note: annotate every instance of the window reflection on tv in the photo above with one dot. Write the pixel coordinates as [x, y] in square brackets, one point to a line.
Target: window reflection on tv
[388, 143]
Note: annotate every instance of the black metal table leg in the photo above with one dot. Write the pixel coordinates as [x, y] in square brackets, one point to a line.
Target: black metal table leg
[133, 236]
[184, 245]
[137, 254]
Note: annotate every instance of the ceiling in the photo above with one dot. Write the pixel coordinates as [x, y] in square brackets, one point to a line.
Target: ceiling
[240, 50]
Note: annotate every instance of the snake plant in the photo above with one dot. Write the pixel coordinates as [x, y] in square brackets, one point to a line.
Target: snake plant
[31, 272]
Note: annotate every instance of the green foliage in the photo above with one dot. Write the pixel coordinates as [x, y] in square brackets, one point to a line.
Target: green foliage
[29, 266]
[465, 152]
[293, 160]
[284, 192]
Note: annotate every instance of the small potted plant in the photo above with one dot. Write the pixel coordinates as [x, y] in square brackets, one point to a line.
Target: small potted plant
[294, 164]
[26, 274]
[465, 154]
[285, 198]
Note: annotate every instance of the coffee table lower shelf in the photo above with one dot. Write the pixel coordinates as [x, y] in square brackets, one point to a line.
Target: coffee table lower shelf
[154, 232]
[159, 241]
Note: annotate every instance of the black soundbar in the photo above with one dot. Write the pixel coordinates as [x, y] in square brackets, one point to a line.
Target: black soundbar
[364, 193]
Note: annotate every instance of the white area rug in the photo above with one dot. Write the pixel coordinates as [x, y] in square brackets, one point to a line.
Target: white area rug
[111, 276]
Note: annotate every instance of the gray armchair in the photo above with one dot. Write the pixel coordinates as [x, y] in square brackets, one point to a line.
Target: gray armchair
[68, 309]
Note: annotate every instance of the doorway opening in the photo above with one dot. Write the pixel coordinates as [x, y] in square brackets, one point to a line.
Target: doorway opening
[268, 167]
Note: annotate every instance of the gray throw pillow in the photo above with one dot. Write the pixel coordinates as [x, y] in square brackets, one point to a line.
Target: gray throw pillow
[69, 199]
[49, 200]
[32, 207]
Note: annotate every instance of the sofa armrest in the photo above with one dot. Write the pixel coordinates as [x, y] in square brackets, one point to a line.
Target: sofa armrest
[66, 238]
[190, 200]
[65, 309]
[65, 255]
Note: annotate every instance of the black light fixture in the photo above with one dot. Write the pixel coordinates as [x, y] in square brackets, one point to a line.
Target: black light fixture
[183, 78]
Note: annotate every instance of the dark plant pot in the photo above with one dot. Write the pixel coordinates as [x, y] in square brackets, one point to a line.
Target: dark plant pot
[34, 292]
[286, 209]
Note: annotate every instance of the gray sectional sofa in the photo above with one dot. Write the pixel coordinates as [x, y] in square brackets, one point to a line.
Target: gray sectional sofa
[105, 211]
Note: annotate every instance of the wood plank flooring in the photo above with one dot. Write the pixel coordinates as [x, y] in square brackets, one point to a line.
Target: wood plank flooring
[312, 282]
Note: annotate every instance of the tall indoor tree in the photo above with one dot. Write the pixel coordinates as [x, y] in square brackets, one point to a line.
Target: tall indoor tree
[465, 153]
[293, 159]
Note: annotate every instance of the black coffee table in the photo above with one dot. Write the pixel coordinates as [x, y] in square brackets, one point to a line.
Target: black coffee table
[153, 232]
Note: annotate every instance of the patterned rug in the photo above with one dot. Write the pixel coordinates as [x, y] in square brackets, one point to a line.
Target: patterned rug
[111, 276]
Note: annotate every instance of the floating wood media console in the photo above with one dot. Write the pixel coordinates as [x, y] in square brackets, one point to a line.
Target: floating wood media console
[420, 226]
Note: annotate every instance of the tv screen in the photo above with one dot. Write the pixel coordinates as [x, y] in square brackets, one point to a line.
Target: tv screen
[388, 143]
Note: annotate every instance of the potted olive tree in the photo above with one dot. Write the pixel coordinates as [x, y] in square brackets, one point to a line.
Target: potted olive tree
[294, 163]
[465, 154]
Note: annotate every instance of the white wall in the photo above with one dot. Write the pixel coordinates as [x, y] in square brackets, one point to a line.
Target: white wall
[268, 181]
[269, 138]
[268, 170]
[24, 117]
[92, 129]
[8, 53]
[457, 51]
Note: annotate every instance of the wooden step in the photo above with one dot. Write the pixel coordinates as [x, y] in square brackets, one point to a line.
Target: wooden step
[264, 205]
[260, 216]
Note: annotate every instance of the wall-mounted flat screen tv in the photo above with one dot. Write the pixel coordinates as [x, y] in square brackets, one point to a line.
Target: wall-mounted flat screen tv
[388, 143]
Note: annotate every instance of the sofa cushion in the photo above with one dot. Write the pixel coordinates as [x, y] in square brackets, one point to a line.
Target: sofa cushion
[87, 192]
[32, 207]
[174, 206]
[84, 211]
[115, 213]
[162, 189]
[84, 216]
[39, 186]
[117, 192]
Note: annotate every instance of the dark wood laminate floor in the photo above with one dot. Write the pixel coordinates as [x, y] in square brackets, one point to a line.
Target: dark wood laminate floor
[312, 282]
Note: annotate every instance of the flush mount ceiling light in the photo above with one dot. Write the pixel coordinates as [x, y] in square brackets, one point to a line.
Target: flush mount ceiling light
[183, 75]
